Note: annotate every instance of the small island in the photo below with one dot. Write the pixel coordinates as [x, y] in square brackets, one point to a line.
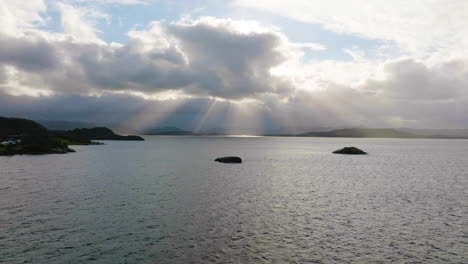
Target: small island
[350, 151]
[229, 159]
[22, 136]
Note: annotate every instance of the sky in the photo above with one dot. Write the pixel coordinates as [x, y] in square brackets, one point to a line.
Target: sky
[258, 66]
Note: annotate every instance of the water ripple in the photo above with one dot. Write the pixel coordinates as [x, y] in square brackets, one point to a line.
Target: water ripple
[291, 201]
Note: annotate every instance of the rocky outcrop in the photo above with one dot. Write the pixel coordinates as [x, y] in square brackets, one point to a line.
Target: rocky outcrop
[230, 159]
[350, 151]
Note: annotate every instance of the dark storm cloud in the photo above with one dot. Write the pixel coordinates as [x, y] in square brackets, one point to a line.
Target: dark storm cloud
[3, 74]
[242, 61]
[198, 59]
[29, 53]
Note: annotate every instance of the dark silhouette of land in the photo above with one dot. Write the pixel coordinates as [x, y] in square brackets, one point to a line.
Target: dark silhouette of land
[229, 159]
[97, 133]
[311, 132]
[23, 136]
[350, 151]
[64, 125]
[169, 131]
[362, 132]
[347, 132]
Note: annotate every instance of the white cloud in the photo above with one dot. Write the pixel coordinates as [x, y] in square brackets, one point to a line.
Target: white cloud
[80, 22]
[16, 16]
[310, 45]
[105, 2]
[419, 28]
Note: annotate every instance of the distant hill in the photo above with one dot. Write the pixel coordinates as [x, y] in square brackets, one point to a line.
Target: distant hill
[97, 133]
[438, 133]
[23, 136]
[301, 129]
[65, 125]
[168, 131]
[19, 126]
[347, 132]
[362, 132]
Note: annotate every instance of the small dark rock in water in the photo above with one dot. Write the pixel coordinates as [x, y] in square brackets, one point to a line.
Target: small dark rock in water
[350, 150]
[229, 160]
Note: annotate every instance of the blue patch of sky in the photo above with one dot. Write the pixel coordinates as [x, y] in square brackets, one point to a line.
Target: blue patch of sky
[335, 43]
[53, 23]
[128, 17]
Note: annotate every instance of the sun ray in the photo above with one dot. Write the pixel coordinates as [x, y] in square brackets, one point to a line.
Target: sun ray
[153, 114]
[244, 118]
[208, 112]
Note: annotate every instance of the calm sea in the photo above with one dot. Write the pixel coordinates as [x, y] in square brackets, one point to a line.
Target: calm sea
[166, 201]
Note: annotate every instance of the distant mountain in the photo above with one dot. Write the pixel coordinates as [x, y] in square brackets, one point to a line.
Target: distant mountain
[301, 130]
[346, 132]
[438, 133]
[362, 132]
[97, 133]
[65, 125]
[168, 131]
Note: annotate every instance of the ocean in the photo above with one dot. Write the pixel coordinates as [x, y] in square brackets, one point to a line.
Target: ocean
[165, 200]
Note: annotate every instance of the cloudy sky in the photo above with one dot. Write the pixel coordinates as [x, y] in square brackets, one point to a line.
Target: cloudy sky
[263, 65]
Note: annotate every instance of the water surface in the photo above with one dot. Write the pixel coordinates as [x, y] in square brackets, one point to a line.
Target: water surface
[166, 201]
